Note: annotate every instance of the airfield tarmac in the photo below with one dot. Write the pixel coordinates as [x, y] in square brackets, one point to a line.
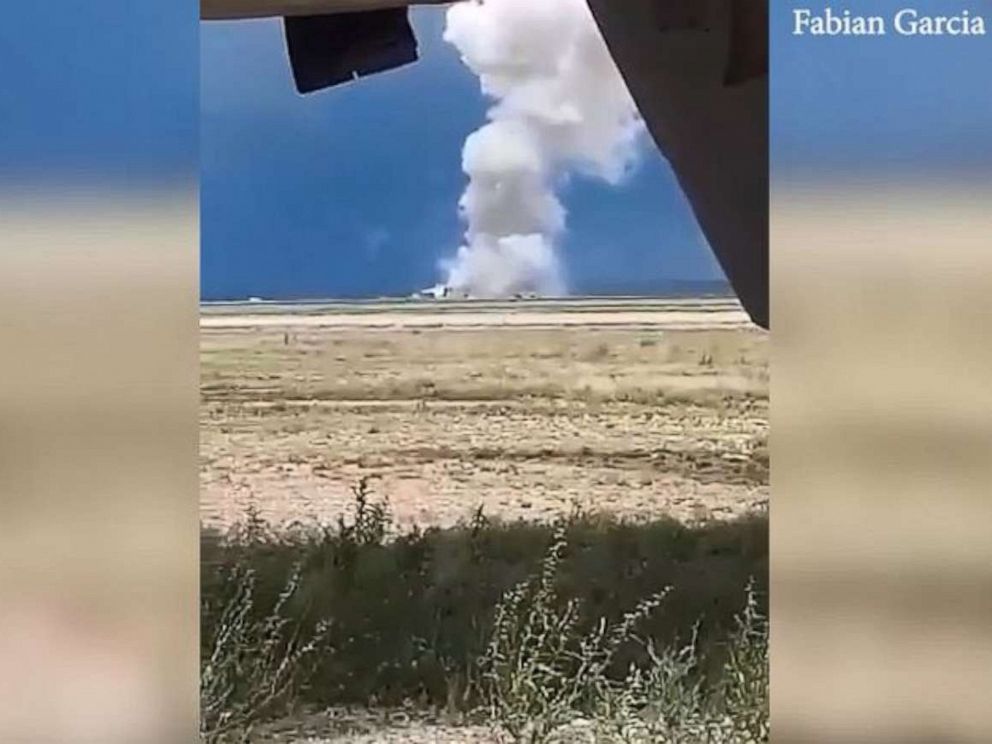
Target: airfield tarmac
[671, 314]
[527, 409]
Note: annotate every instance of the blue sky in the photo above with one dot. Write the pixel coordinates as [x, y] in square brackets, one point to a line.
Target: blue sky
[876, 106]
[353, 191]
[98, 91]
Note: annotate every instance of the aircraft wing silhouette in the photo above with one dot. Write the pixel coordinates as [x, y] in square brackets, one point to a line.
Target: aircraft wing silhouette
[698, 70]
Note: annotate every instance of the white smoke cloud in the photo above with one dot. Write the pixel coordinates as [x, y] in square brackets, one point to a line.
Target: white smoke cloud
[560, 106]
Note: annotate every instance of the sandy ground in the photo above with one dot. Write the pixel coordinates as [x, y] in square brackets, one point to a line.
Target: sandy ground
[371, 727]
[642, 408]
[396, 727]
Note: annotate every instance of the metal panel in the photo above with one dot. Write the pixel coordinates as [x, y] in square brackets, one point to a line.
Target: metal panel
[698, 72]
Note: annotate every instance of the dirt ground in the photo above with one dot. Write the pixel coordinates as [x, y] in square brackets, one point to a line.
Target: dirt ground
[642, 408]
[371, 727]
[395, 727]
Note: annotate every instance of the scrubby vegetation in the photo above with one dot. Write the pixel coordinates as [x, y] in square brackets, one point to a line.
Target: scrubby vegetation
[591, 629]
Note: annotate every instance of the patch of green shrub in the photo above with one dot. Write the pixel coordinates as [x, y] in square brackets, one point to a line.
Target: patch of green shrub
[628, 626]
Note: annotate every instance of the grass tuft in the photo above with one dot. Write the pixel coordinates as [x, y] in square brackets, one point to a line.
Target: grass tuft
[574, 631]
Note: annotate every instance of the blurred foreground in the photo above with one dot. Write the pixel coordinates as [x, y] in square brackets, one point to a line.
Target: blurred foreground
[882, 431]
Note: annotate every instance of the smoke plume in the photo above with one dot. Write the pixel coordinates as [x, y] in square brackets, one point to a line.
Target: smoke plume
[560, 106]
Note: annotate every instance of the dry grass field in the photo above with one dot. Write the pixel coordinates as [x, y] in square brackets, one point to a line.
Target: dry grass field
[630, 433]
[529, 409]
